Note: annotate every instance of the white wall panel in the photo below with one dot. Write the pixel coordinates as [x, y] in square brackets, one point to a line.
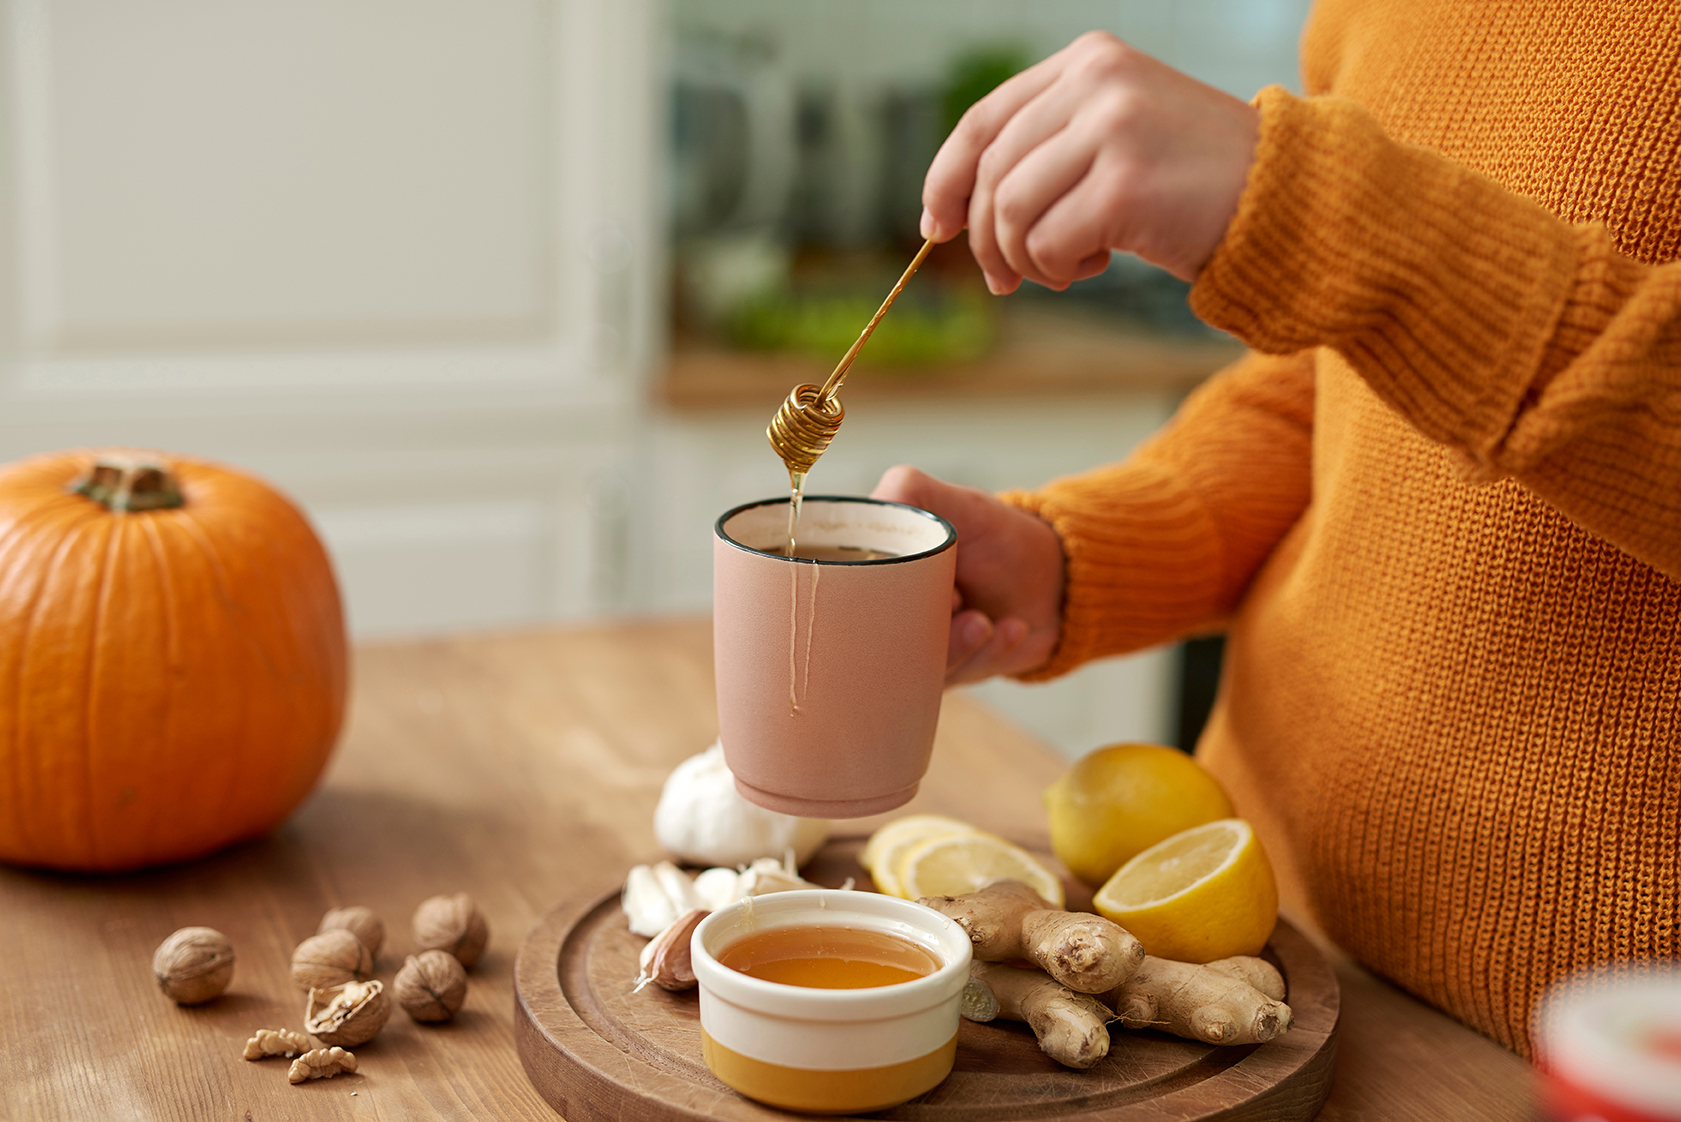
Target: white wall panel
[397, 256]
[305, 172]
[426, 567]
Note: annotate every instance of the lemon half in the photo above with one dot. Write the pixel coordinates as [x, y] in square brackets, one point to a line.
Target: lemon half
[1201, 895]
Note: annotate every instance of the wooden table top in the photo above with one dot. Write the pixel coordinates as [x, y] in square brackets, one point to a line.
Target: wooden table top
[523, 769]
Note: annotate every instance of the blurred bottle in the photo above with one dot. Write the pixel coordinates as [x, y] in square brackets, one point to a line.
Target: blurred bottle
[1608, 1045]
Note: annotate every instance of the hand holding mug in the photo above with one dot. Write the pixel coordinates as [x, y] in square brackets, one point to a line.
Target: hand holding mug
[1007, 604]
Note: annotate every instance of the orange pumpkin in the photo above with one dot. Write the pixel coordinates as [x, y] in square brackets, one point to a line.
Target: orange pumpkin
[172, 659]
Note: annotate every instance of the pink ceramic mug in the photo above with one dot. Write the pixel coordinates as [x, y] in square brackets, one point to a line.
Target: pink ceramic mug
[830, 672]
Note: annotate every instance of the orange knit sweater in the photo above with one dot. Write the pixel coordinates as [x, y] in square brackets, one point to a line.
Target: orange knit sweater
[1439, 510]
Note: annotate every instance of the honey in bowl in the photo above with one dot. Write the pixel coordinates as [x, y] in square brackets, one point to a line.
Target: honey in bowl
[825, 957]
[861, 1007]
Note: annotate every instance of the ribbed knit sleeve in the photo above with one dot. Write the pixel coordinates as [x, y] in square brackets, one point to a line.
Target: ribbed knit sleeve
[1165, 543]
[1527, 345]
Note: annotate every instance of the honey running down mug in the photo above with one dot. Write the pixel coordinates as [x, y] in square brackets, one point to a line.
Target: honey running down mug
[830, 672]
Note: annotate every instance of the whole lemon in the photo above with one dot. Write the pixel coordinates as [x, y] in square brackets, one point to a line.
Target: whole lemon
[1118, 801]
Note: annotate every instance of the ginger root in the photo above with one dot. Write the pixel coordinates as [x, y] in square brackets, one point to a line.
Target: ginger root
[276, 1042]
[322, 1063]
[978, 1003]
[1073, 1028]
[1007, 921]
[1230, 1001]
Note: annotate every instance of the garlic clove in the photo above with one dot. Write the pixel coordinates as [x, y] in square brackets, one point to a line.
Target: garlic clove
[717, 888]
[645, 902]
[677, 886]
[665, 961]
[762, 882]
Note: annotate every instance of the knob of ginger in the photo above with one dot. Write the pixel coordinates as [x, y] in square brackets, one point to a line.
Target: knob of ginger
[1229, 1001]
[1072, 1028]
[1008, 921]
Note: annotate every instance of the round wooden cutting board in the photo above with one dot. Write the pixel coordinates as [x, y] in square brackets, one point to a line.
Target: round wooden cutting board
[597, 1051]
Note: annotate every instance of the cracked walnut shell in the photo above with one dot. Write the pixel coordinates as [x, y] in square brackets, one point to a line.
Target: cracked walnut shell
[349, 1014]
[360, 921]
[331, 958]
[194, 965]
[453, 924]
[431, 986]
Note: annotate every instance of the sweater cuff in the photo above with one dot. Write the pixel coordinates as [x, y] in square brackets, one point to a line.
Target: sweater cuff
[1439, 286]
[1140, 562]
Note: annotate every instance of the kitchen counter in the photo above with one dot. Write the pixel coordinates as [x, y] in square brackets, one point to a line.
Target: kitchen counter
[1040, 352]
[521, 768]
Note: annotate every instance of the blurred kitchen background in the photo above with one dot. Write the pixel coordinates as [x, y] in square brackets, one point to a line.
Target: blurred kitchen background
[503, 292]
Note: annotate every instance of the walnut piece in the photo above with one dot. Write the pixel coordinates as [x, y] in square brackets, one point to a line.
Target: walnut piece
[276, 1042]
[431, 986]
[360, 921]
[349, 1014]
[331, 958]
[194, 965]
[453, 924]
[322, 1063]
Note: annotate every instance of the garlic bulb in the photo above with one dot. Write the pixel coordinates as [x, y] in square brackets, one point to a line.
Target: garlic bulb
[703, 820]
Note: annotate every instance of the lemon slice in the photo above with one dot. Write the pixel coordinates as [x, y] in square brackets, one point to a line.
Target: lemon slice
[885, 847]
[912, 825]
[1203, 894]
[952, 864]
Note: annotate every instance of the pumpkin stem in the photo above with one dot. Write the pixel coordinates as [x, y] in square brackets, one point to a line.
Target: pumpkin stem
[122, 483]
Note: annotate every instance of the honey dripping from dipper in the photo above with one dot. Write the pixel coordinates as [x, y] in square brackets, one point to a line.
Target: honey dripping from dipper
[801, 430]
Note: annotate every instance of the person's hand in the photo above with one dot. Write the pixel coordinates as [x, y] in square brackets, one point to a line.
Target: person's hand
[1098, 147]
[1006, 610]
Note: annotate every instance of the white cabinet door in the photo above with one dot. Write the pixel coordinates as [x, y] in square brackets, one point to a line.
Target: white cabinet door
[396, 255]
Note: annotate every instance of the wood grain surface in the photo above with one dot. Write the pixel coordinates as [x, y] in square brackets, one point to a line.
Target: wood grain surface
[523, 769]
[599, 1051]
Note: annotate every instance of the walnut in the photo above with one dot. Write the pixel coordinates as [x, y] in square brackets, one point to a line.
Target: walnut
[431, 986]
[331, 958]
[194, 965]
[323, 1063]
[359, 921]
[276, 1042]
[453, 924]
[349, 1014]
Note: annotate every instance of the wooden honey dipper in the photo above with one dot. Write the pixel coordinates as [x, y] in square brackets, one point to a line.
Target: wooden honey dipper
[802, 429]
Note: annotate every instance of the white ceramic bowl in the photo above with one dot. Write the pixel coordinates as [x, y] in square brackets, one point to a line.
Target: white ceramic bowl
[831, 1051]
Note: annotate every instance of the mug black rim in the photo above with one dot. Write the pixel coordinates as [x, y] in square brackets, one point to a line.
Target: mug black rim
[951, 531]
